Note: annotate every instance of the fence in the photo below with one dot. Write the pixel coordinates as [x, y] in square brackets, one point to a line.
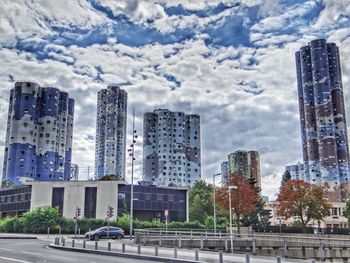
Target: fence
[155, 253]
[259, 244]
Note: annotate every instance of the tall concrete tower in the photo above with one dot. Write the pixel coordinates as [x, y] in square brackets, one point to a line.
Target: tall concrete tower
[39, 134]
[322, 117]
[246, 163]
[111, 132]
[171, 148]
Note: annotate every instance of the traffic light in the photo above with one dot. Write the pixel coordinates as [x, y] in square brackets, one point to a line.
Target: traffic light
[77, 212]
[110, 211]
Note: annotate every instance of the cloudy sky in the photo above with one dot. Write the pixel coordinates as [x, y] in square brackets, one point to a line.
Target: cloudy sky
[230, 61]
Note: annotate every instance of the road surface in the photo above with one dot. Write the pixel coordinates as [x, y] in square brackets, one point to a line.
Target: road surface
[35, 251]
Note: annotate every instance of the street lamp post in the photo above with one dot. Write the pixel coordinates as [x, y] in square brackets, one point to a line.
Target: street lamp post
[132, 154]
[214, 201]
[231, 187]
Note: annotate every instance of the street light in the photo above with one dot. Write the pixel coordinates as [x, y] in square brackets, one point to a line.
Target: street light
[231, 187]
[214, 175]
[131, 151]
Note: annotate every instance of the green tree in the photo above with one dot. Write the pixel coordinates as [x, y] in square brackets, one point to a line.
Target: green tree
[110, 177]
[6, 183]
[38, 220]
[285, 177]
[201, 201]
[260, 216]
[346, 212]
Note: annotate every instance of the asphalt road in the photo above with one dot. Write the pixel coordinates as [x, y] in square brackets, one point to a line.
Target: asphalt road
[30, 251]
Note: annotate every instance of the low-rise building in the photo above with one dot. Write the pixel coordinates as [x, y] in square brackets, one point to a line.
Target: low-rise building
[334, 220]
[94, 197]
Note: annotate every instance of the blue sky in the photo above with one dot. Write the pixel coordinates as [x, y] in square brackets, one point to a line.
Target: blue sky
[232, 62]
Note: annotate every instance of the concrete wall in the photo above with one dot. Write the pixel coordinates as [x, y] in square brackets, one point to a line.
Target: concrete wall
[74, 195]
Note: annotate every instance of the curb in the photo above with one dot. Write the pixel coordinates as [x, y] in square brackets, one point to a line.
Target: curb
[125, 255]
[16, 237]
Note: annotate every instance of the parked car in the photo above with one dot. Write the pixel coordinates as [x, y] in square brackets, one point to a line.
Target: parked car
[114, 233]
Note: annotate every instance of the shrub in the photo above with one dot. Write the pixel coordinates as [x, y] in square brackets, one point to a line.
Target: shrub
[11, 225]
[37, 221]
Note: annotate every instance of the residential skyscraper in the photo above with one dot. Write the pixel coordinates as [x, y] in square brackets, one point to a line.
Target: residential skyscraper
[322, 117]
[39, 134]
[224, 172]
[246, 163]
[171, 148]
[296, 171]
[111, 132]
[74, 172]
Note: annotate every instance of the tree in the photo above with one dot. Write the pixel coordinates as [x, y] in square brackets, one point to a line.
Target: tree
[285, 177]
[244, 199]
[346, 212]
[110, 177]
[6, 183]
[38, 220]
[260, 216]
[304, 200]
[201, 201]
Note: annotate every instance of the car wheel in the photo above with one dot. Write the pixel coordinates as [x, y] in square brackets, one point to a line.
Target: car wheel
[96, 238]
[119, 237]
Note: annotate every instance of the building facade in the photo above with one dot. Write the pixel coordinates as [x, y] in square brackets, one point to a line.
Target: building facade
[74, 172]
[94, 197]
[296, 171]
[224, 172]
[111, 132]
[335, 220]
[246, 163]
[39, 134]
[171, 148]
[322, 117]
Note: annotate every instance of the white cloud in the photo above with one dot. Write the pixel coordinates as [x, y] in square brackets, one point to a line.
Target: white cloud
[214, 79]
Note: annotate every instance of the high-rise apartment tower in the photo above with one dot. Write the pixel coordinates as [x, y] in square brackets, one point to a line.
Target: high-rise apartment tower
[39, 134]
[246, 163]
[171, 148]
[111, 132]
[322, 117]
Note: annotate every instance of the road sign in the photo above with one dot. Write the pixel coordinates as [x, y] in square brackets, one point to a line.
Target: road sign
[166, 212]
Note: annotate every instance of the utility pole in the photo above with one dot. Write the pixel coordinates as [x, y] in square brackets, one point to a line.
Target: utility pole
[214, 201]
[132, 150]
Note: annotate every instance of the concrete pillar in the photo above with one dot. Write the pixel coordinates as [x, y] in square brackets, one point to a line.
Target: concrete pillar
[156, 251]
[123, 248]
[196, 255]
[73, 242]
[139, 249]
[285, 248]
[278, 259]
[221, 257]
[84, 244]
[254, 246]
[247, 258]
[109, 246]
[175, 252]
[96, 245]
[322, 254]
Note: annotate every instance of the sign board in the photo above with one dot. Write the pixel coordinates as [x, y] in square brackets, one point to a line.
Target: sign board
[166, 212]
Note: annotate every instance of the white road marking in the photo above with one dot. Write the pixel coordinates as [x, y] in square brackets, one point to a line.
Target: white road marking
[7, 249]
[32, 253]
[16, 260]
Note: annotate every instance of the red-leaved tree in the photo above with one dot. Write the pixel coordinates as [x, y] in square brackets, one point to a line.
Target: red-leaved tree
[304, 200]
[243, 199]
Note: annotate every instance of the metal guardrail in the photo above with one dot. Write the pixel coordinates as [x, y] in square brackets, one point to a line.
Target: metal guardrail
[140, 252]
[156, 234]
